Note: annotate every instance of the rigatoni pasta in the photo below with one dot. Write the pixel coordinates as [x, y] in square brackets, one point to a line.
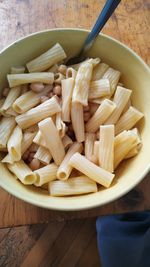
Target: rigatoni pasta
[128, 120]
[82, 84]
[14, 144]
[27, 140]
[22, 172]
[52, 139]
[45, 174]
[19, 79]
[53, 113]
[65, 169]
[106, 147]
[28, 100]
[73, 186]
[121, 98]
[89, 144]
[100, 116]
[38, 113]
[91, 170]
[78, 121]
[12, 96]
[67, 89]
[43, 155]
[6, 127]
[99, 88]
[113, 76]
[47, 59]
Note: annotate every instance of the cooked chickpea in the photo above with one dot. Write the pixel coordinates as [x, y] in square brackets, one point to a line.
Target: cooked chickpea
[87, 116]
[26, 154]
[50, 94]
[34, 164]
[87, 108]
[31, 156]
[33, 148]
[57, 90]
[37, 87]
[5, 92]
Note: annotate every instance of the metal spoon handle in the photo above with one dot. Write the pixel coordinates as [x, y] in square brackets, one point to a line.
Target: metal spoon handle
[105, 14]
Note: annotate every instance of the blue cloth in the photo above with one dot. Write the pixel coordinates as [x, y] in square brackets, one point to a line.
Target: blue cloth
[124, 240]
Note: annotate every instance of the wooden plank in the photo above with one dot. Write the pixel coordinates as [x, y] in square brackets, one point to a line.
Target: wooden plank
[15, 212]
[53, 244]
[129, 24]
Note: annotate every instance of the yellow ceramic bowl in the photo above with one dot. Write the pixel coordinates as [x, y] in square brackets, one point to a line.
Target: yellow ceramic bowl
[135, 75]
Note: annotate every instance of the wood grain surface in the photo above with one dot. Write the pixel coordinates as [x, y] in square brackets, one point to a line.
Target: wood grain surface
[129, 24]
[71, 244]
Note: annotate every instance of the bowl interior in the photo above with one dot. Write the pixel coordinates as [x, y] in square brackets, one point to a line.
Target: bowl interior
[135, 75]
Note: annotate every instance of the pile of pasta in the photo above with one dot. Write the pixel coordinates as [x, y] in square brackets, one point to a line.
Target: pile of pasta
[66, 129]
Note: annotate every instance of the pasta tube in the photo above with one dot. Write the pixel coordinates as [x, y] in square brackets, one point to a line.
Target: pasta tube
[10, 112]
[73, 186]
[17, 69]
[91, 170]
[96, 150]
[23, 172]
[67, 141]
[29, 100]
[113, 76]
[133, 152]
[77, 119]
[39, 140]
[45, 174]
[14, 144]
[106, 147]
[19, 79]
[99, 89]
[125, 142]
[6, 127]
[43, 155]
[52, 139]
[8, 159]
[38, 113]
[12, 96]
[53, 69]
[82, 84]
[128, 120]
[89, 144]
[71, 73]
[65, 169]
[99, 71]
[98, 100]
[67, 89]
[60, 125]
[2, 100]
[27, 140]
[47, 59]
[121, 98]
[100, 116]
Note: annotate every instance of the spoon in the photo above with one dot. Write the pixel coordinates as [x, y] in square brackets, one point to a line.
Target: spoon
[105, 14]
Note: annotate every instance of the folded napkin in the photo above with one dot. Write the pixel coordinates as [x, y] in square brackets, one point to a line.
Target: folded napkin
[124, 240]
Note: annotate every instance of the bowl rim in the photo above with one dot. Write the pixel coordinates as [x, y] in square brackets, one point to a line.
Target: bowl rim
[35, 202]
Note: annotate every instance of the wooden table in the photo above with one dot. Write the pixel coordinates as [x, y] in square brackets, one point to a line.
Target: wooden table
[129, 24]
